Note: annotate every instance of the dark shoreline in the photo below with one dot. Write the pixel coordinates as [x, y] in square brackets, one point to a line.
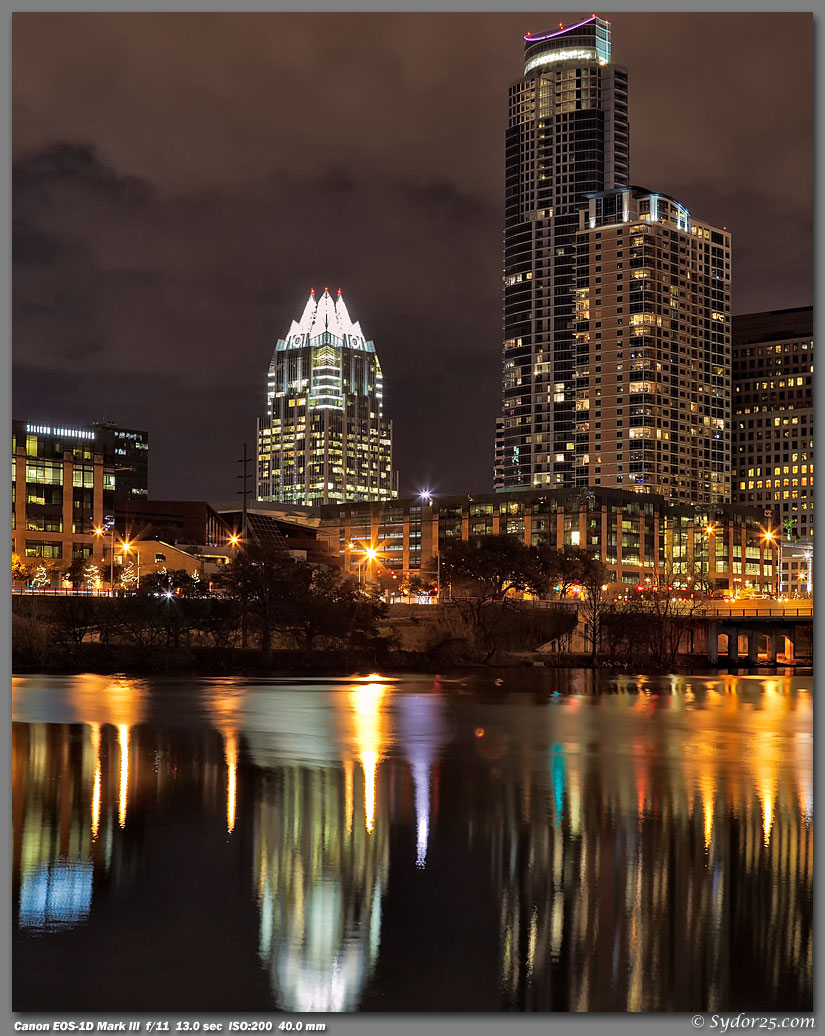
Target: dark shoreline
[126, 661]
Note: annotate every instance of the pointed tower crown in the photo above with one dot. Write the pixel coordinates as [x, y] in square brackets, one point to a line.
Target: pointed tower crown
[326, 316]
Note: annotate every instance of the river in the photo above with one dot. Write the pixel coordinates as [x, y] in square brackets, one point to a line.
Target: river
[510, 841]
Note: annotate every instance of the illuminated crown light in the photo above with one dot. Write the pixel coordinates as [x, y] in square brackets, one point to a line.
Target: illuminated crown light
[326, 315]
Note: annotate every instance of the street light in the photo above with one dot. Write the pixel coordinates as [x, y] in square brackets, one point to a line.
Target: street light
[109, 526]
[370, 555]
[707, 530]
[427, 497]
[769, 536]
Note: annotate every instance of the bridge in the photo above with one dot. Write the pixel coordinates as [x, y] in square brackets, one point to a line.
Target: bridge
[759, 630]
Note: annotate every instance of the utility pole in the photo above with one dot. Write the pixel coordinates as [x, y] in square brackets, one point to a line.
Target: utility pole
[245, 476]
[246, 461]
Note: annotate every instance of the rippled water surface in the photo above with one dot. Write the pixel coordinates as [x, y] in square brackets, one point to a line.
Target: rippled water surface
[413, 844]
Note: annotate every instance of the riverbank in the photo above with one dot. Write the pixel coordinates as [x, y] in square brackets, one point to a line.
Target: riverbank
[134, 660]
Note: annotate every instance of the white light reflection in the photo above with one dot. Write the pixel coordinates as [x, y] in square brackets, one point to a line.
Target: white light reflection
[423, 732]
[95, 732]
[123, 741]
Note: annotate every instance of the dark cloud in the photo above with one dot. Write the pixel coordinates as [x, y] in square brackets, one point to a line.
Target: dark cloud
[181, 181]
[197, 290]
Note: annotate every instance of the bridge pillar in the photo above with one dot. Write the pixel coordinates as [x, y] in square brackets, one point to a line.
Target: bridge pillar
[713, 643]
[733, 647]
[771, 635]
[789, 647]
[753, 647]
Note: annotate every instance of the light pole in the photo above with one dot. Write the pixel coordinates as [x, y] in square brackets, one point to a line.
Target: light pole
[370, 555]
[235, 540]
[349, 548]
[708, 531]
[769, 536]
[109, 526]
[427, 498]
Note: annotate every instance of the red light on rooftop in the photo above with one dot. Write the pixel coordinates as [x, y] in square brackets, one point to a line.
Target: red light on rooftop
[561, 25]
[339, 291]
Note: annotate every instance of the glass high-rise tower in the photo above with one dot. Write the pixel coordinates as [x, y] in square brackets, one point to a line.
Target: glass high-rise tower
[324, 437]
[567, 137]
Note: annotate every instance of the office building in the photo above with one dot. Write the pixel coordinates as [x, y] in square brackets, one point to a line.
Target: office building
[773, 416]
[641, 538]
[796, 578]
[129, 449]
[652, 341]
[324, 436]
[567, 137]
[65, 484]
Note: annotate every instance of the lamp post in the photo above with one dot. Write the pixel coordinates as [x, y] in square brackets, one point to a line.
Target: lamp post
[427, 498]
[708, 530]
[769, 536]
[109, 526]
[235, 540]
[370, 555]
[348, 549]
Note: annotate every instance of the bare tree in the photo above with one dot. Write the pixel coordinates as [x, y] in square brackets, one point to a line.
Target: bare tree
[594, 603]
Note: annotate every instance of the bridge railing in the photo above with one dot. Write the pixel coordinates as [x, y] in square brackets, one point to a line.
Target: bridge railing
[775, 611]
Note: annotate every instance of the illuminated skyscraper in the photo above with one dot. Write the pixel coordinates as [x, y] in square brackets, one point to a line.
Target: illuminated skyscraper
[652, 349]
[324, 437]
[567, 137]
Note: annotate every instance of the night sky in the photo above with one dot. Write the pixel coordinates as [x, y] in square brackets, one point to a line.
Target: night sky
[182, 180]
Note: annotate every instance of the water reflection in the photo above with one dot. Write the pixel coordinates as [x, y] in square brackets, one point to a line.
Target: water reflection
[647, 850]
[422, 732]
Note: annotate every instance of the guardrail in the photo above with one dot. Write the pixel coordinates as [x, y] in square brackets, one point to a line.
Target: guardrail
[47, 592]
[757, 612]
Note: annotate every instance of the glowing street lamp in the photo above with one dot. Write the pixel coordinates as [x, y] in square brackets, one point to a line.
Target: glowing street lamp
[769, 537]
[707, 530]
[427, 497]
[101, 530]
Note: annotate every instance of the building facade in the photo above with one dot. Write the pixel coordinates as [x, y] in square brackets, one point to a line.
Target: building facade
[129, 449]
[64, 485]
[796, 578]
[567, 137]
[324, 436]
[638, 537]
[652, 334]
[773, 416]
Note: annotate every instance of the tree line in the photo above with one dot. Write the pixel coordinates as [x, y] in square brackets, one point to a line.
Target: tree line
[265, 594]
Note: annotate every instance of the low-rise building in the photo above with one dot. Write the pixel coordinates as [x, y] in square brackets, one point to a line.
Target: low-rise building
[638, 537]
[797, 576]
